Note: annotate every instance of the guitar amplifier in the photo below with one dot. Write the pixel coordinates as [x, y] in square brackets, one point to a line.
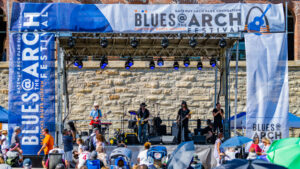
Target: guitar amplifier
[168, 139]
[131, 139]
[174, 131]
[155, 140]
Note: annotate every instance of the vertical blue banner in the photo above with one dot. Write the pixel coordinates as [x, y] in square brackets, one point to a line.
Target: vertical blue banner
[31, 87]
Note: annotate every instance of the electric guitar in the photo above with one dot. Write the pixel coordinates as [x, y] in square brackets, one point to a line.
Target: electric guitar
[140, 121]
[258, 21]
[179, 122]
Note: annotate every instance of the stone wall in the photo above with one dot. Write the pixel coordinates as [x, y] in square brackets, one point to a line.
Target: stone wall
[119, 90]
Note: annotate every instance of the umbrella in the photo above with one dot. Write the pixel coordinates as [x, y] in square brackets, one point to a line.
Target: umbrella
[283, 143]
[235, 141]
[182, 156]
[245, 164]
[288, 156]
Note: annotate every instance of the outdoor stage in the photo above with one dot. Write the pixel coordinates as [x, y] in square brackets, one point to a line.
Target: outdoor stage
[205, 153]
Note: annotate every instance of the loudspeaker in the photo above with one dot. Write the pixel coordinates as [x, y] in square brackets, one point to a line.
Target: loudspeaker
[168, 139]
[198, 123]
[174, 131]
[131, 139]
[162, 130]
[199, 139]
[155, 140]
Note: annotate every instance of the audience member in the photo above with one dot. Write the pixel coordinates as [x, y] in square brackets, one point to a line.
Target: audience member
[230, 154]
[102, 156]
[4, 143]
[79, 141]
[267, 144]
[93, 140]
[5, 166]
[85, 155]
[256, 146]
[83, 167]
[48, 143]
[53, 151]
[58, 150]
[93, 162]
[100, 142]
[68, 147]
[143, 157]
[27, 163]
[218, 151]
[252, 154]
[208, 131]
[16, 141]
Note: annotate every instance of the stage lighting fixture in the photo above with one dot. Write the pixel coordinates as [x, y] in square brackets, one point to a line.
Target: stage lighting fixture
[193, 42]
[199, 65]
[103, 42]
[71, 42]
[76, 62]
[222, 43]
[152, 64]
[130, 61]
[165, 43]
[134, 43]
[104, 62]
[176, 65]
[186, 61]
[80, 64]
[160, 62]
[127, 65]
[213, 62]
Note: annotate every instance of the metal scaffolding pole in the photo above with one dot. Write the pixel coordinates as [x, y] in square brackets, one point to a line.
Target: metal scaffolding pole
[236, 83]
[227, 106]
[216, 80]
[59, 98]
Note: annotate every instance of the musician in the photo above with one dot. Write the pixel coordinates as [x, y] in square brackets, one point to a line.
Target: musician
[95, 116]
[143, 116]
[182, 119]
[218, 114]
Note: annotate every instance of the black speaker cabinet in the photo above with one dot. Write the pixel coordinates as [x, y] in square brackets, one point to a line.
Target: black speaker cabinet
[131, 139]
[199, 139]
[168, 139]
[155, 140]
[162, 130]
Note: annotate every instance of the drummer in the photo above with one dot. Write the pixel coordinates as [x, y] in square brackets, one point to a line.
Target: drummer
[95, 116]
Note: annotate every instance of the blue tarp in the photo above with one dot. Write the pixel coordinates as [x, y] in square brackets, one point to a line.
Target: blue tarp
[3, 115]
[293, 121]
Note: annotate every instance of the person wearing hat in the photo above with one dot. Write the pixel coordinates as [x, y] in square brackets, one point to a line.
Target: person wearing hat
[27, 163]
[182, 119]
[95, 116]
[143, 116]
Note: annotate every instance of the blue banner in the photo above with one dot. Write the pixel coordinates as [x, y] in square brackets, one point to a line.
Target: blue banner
[267, 86]
[32, 87]
[163, 18]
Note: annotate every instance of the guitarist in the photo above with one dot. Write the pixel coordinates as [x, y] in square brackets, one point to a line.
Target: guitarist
[143, 116]
[95, 117]
[182, 119]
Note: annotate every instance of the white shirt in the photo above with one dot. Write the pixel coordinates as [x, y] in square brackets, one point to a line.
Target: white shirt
[216, 153]
[60, 151]
[82, 158]
[5, 144]
[265, 149]
[143, 157]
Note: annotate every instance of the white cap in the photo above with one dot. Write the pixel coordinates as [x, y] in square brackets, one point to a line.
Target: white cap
[96, 104]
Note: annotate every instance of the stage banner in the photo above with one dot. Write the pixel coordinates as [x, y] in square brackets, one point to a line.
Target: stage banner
[267, 86]
[31, 87]
[167, 18]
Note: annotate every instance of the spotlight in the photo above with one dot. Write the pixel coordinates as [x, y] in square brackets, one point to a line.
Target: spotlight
[160, 62]
[80, 64]
[127, 65]
[176, 65]
[165, 43]
[152, 64]
[186, 61]
[71, 42]
[199, 65]
[76, 62]
[222, 43]
[213, 62]
[103, 42]
[193, 42]
[130, 61]
[104, 62]
[134, 43]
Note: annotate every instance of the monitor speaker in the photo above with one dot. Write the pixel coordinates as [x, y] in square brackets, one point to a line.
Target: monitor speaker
[131, 139]
[168, 139]
[155, 140]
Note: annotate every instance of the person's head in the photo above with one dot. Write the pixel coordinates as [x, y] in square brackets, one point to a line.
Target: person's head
[79, 141]
[147, 145]
[252, 150]
[96, 130]
[255, 140]
[17, 130]
[266, 141]
[100, 138]
[143, 166]
[66, 132]
[96, 106]
[54, 151]
[83, 167]
[45, 131]
[220, 136]
[143, 106]
[184, 104]
[4, 132]
[93, 155]
[27, 163]
[218, 105]
[120, 162]
[85, 148]
[60, 166]
[55, 146]
[208, 122]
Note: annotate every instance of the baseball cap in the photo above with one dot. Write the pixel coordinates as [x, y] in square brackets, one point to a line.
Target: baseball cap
[27, 162]
[96, 104]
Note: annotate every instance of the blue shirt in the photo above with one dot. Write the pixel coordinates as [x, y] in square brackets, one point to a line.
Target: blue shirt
[93, 164]
[94, 113]
[68, 143]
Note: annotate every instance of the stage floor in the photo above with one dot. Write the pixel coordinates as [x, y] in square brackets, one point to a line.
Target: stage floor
[205, 153]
